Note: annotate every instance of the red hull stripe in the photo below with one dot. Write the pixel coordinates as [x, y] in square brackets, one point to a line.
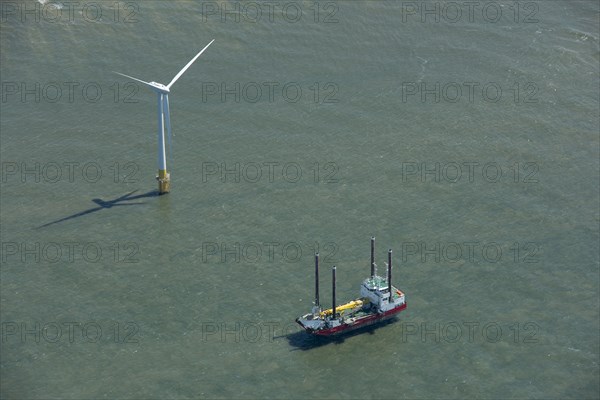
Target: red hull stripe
[362, 322]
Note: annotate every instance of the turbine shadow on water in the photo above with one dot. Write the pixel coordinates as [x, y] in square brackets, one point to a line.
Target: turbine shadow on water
[301, 340]
[104, 204]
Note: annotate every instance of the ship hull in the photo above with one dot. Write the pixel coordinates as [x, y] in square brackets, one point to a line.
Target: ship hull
[356, 324]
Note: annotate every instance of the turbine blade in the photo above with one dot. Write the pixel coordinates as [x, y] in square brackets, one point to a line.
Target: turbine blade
[188, 65]
[167, 113]
[135, 79]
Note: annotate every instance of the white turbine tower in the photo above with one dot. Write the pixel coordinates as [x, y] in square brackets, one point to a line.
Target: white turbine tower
[164, 118]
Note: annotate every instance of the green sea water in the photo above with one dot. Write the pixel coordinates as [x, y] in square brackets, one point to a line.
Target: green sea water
[463, 136]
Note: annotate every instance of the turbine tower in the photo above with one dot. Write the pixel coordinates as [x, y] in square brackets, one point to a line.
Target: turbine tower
[164, 119]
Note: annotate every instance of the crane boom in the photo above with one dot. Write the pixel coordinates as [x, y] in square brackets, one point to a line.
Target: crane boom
[353, 304]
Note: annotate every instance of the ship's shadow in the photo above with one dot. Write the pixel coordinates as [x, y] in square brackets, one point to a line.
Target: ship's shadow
[305, 341]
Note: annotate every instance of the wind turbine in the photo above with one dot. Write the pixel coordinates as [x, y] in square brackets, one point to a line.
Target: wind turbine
[164, 118]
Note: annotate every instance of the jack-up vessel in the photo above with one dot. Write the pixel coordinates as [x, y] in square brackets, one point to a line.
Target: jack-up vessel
[379, 301]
